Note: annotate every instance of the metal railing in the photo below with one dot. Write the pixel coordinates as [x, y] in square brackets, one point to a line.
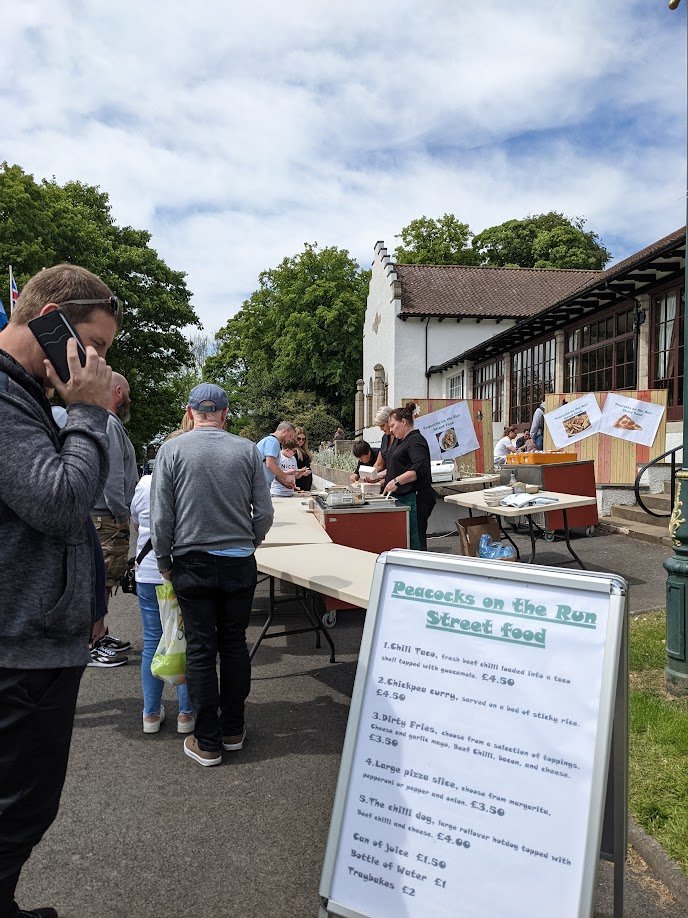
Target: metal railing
[636, 486]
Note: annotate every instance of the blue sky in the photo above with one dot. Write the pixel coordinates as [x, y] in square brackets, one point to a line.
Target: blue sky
[235, 133]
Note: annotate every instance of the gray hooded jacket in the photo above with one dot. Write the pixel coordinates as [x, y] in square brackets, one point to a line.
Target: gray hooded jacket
[49, 479]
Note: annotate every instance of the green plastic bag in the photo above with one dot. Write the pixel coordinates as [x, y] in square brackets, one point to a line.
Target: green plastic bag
[169, 660]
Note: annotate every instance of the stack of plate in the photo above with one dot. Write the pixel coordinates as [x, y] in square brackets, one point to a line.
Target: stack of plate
[493, 496]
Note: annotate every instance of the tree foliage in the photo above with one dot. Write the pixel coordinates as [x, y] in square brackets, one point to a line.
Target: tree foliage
[444, 241]
[543, 241]
[300, 331]
[549, 240]
[44, 223]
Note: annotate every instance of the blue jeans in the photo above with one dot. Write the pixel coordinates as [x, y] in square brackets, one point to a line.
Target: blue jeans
[152, 632]
[538, 439]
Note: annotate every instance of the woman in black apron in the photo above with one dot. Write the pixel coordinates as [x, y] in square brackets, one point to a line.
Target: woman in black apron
[408, 473]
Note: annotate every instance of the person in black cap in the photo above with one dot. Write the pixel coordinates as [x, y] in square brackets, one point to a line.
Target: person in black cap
[210, 509]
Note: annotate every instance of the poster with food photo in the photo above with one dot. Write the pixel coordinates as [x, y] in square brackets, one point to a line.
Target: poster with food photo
[449, 431]
[631, 419]
[574, 421]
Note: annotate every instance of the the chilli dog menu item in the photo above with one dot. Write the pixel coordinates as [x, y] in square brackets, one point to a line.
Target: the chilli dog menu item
[470, 779]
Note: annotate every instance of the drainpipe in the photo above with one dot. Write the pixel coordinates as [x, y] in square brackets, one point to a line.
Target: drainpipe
[427, 378]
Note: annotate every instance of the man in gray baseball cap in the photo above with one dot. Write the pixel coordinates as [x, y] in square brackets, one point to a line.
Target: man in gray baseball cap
[210, 509]
[207, 397]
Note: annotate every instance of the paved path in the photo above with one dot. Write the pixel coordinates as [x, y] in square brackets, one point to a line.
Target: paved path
[144, 832]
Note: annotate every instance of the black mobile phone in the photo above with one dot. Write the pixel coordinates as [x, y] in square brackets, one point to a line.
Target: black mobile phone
[52, 331]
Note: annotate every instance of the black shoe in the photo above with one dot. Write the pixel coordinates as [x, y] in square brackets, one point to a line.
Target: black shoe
[112, 643]
[38, 913]
[107, 659]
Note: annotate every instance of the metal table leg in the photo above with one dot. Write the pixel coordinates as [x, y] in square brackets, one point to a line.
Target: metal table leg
[531, 533]
[307, 601]
[508, 537]
[568, 543]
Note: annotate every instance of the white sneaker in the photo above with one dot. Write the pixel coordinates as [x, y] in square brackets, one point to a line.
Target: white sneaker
[153, 726]
[186, 723]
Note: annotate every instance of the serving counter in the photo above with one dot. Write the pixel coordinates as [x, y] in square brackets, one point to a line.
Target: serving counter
[376, 526]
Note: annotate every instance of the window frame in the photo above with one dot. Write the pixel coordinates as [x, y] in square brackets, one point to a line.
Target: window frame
[541, 352]
[675, 390]
[623, 372]
[490, 385]
[459, 378]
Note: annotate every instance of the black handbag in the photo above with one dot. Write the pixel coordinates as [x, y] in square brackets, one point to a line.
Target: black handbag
[128, 579]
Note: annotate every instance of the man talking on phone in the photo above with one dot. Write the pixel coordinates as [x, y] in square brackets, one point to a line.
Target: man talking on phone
[50, 479]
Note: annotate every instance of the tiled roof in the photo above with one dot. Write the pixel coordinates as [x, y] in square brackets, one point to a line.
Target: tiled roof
[659, 247]
[637, 268]
[460, 290]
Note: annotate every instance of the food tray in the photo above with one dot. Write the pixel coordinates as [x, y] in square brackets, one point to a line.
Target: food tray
[547, 458]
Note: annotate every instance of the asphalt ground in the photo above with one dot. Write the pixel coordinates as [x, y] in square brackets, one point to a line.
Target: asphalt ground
[145, 832]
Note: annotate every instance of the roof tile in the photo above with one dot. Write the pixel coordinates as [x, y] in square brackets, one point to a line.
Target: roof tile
[462, 290]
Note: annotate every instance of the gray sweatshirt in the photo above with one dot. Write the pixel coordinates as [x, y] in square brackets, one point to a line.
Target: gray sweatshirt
[48, 482]
[123, 477]
[208, 493]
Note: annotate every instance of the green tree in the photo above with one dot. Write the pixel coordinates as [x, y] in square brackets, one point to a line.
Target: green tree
[302, 408]
[44, 223]
[302, 329]
[549, 240]
[444, 241]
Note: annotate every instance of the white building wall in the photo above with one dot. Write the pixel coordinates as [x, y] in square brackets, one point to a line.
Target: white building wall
[380, 323]
[400, 346]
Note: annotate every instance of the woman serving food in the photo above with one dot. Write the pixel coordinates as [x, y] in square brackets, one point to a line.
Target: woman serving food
[409, 478]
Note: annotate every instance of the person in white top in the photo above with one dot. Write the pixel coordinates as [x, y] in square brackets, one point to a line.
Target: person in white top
[505, 446]
[289, 465]
[147, 577]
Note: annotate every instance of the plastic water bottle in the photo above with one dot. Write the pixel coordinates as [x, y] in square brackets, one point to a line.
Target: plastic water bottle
[512, 482]
[487, 548]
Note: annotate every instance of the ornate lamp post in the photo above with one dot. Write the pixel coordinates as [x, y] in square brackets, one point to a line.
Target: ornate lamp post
[676, 670]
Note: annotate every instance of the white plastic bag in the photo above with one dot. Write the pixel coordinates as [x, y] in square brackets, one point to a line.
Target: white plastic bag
[169, 660]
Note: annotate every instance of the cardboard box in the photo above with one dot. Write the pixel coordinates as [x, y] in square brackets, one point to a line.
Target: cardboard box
[472, 528]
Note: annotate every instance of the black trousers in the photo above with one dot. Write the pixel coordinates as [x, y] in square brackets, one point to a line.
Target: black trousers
[425, 502]
[215, 595]
[36, 718]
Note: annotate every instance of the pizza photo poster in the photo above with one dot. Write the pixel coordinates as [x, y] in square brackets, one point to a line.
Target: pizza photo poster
[630, 419]
[449, 431]
[574, 421]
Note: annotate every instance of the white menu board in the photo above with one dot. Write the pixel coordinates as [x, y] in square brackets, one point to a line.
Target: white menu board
[473, 773]
[630, 419]
[449, 431]
[574, 421]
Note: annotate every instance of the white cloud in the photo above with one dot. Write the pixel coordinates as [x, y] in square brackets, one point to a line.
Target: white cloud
[235, 133]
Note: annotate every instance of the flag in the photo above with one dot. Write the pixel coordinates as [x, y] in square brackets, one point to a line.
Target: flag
[14, 292]
[3, 316]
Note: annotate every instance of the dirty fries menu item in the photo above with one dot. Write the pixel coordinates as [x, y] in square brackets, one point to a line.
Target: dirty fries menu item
[626, 423]
[577, 424]
[471, 746]
[573, 421]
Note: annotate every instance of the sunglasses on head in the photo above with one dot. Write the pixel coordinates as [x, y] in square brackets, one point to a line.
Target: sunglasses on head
[111, 301]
